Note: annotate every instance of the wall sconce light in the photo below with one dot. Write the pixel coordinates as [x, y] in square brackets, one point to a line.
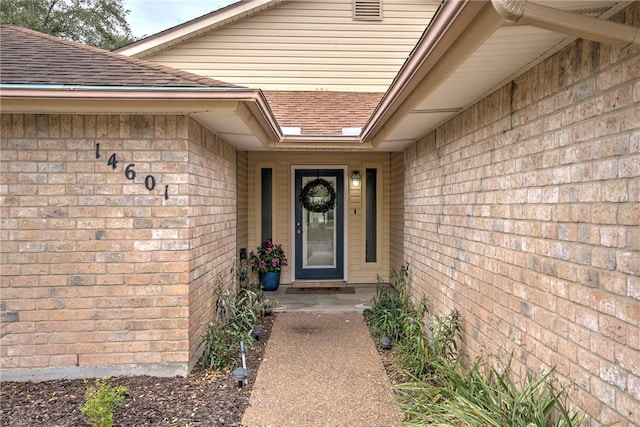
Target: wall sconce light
[355, 179]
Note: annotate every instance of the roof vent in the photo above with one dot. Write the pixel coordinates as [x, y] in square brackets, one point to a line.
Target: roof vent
[367, 10]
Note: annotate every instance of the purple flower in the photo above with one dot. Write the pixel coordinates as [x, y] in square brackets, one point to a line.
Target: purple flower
[262, 264]
[275, 262]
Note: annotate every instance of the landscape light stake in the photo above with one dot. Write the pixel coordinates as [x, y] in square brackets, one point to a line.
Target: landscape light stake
[241, 374]
[385, 343]
[256, 333]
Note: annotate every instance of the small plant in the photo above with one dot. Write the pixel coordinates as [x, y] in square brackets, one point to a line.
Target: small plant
[101, 400]
[443, 392]
[421, 348]
[394, 315]
[238, 312]
[483, 396]
[392, 308]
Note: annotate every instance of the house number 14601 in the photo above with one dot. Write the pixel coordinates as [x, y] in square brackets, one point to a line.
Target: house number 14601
[130, 173]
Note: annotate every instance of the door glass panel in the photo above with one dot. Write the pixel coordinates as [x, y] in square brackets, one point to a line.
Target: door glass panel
[319, 232]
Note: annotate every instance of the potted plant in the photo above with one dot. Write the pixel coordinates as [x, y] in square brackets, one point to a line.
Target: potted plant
[268, 260]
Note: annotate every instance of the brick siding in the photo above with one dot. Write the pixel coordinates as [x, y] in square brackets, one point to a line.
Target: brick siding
[100, 275]
[523, 213]
[213, 190]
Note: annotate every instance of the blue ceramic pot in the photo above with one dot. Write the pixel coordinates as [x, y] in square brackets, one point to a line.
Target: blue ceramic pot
[270, 280]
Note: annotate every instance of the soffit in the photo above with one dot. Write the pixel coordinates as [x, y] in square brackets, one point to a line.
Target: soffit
[506, 53]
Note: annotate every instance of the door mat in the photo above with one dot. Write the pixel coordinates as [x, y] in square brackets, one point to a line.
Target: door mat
[322, 290]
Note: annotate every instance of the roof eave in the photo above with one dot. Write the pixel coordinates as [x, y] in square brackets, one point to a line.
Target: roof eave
[255, 109]
[458, 28]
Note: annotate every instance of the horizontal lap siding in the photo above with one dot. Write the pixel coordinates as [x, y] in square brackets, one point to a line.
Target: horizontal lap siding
[523, 213]
[357, 271]
[310, 45]
[243, 198]
[396, 214]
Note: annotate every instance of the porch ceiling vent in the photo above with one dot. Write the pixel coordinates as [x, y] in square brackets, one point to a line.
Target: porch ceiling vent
[351, 131]
[367, 10]
[291, 130]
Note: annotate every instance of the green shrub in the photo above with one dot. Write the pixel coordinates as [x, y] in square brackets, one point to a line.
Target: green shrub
[443, 392]
[101, 401]
[238, 312]
[484, 396]
[422, 349]
[394, 315]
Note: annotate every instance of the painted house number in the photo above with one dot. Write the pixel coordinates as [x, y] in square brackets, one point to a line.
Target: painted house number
[130, 173]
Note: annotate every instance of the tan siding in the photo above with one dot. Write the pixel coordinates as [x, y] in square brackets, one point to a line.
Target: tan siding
[357, 270]
[355, 221]
[308, 45]
[362, 271]
[396, 223]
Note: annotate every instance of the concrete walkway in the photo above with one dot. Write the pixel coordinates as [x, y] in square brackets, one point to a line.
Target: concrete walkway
[321, 370]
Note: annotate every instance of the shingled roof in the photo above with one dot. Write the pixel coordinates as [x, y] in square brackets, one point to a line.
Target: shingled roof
[322, 112]
[31, 58]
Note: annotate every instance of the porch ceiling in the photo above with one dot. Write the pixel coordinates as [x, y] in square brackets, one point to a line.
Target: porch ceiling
[233, 128]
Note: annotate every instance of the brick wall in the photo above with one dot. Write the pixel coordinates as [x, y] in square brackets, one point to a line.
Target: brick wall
[98, 271]
[523, 213]
[213, 223]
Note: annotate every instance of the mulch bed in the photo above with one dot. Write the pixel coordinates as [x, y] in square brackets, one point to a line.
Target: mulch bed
[393, 367]
[204, 398]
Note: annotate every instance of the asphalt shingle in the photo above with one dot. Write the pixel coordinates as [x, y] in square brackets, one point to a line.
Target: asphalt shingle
[30, 57]
[322, 112]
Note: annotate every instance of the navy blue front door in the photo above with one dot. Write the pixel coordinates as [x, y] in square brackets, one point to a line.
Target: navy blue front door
[319, 241]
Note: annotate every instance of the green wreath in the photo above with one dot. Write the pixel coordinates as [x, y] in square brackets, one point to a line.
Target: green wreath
[318, 196]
